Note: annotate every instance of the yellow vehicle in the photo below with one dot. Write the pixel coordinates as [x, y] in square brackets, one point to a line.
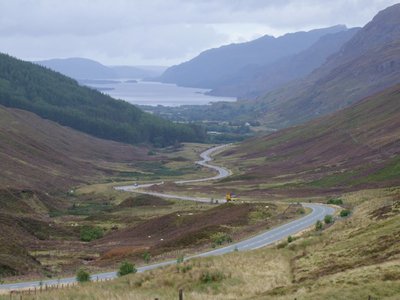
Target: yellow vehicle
[230, 197]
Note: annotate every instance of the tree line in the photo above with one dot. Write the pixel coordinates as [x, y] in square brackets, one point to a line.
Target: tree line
[56, 97]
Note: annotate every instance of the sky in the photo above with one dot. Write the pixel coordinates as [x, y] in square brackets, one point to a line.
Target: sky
[161, 32]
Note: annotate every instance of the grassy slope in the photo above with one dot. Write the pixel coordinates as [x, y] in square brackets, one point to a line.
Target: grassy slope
[353, 148]
[352, 259]
[40, 154]
[24, 223]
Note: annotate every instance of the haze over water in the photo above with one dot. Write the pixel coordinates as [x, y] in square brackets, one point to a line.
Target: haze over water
[155, 93]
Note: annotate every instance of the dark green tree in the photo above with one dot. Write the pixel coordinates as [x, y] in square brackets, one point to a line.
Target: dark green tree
[126, 268]
[82, 276]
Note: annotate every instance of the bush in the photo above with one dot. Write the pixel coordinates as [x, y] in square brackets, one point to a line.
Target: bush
[126, 268]
[335, 201]
[301, 211]
[180, 259]
[219, 238]
[184, 268]
[345, 213]
[289, 239]
[318, 225]
[89, 233]
[208, 277]
[328, 219]
[282, 245]
[82, 276]
[146, 257]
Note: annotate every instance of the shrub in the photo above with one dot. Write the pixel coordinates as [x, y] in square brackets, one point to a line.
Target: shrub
[220, 237]
[282, 245]
[345, 213]
[147, 257]
[82, 276]
[126, 268]
[214, 276]
[89, 233]
[335, 201]
[180, 259]
[328, 219]
[318, 225]
[184, 268]
[289, 239]
[391, 275]
[301, 211]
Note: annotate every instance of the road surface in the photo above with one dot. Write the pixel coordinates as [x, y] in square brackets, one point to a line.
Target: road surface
[318, 212]
[206, 158]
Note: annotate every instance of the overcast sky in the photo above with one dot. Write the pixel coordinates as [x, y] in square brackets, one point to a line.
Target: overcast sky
[161, 32]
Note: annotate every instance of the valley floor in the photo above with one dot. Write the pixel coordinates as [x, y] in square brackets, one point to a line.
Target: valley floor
[355, 258]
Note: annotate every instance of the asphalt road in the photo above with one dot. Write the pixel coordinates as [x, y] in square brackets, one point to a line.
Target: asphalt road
[319, 211]
[206, 158]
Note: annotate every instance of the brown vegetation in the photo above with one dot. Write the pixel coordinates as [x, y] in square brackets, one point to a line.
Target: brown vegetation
[40, 154]
[355, 148]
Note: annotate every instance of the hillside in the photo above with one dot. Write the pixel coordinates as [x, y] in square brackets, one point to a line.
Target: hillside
[255, 81]
[366, 64]
[40, 162]
[357, 257]
[354, 148]
[56, 97]
[83, 68]
[213, 67]
[41, 155]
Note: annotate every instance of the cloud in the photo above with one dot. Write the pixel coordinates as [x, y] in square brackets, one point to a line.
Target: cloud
[155, 31]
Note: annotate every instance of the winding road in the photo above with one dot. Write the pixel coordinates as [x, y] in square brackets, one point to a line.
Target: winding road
[318, 212]
[206, 158]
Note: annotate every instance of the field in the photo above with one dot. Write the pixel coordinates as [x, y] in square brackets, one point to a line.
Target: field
[98, 226]
[354, 258]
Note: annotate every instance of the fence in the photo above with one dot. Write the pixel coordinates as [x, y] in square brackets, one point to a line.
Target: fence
[32, 292]
[18, 294]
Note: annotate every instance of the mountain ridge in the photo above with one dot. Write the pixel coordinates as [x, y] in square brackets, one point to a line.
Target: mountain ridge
[83, 68]
[213, 66]
[346, 77]
[258, 80]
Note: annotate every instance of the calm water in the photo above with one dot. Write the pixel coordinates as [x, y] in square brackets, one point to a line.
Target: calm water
[155, 93]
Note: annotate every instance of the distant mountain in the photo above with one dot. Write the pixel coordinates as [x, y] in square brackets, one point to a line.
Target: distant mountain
[367, 63]
[355, 147]
[138, 72]
[213, 67]
[254, 81]
[79, 68]
[83, 68]
[56, 97]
